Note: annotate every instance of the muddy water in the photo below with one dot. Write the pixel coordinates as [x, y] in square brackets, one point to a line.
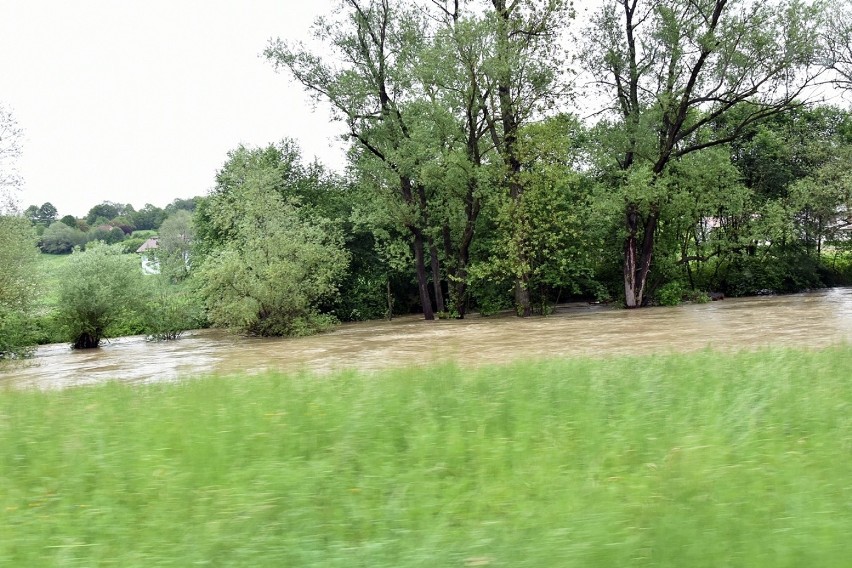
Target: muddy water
[813, 319]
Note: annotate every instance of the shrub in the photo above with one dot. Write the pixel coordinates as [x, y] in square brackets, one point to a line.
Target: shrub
[670, 294]
[18, 286]
[101, 292]
[171, 310]
[59, 238]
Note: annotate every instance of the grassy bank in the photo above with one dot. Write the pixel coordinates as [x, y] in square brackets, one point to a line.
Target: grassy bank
[694, 460]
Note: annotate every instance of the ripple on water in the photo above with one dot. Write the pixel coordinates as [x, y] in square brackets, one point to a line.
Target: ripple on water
[813, 319]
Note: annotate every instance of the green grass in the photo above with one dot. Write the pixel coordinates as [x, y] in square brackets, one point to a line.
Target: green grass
[49, 267]
[693, 460]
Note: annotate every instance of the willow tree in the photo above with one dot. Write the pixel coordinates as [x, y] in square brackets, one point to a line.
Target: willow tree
[526, 63]
[456, 134]
[367, 76]
[683, 76]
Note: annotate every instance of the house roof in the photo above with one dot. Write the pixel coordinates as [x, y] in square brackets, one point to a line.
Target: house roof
[148, 245]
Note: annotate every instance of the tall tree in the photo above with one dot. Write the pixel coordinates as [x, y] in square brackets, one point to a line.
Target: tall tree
[368, 80]
[105, 211]
[455, 128]
[526, 64]
[677, 69]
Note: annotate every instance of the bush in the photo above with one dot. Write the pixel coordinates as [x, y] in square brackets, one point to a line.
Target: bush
[101, 295]
[59, 238]
[670, 294]
[171, 310]
[787, 272]
[271, 278]
[109, 235]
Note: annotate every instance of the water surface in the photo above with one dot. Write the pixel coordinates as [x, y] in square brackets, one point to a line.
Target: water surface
[813, 320]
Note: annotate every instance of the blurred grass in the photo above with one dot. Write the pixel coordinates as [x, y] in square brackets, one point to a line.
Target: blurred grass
[705, 459]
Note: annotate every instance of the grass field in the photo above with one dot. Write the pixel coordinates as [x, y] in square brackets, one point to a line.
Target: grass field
[689, 460]
[49, 266]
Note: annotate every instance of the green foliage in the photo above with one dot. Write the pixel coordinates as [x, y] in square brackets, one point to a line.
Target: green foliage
[107, 211]
[59, 238]
[18, 334]
[181, 204]
[670, 294]
[171, 309]
[174, 246]
[270, 282]
[101, 295]
[362, 298]
[44, 215]
[109, 235]
[272, 263]
[148, 218]
[769, 272]
[19, 286]
[131, 244]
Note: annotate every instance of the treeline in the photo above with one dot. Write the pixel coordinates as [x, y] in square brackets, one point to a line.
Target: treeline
[473, 183]
[107, 222]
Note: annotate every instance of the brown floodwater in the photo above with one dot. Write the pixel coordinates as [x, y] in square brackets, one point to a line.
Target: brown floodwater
[813, 320]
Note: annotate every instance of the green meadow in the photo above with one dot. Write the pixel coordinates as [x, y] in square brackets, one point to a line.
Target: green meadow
[704, 459]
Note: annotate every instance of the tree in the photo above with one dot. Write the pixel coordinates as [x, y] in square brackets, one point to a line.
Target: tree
[69, 220]
[18, 285]
[181, 204]
[99, 288]
[107, 211]
[148, 218]
[368, 79]
[106, 233]
[174, 245]
[674, 71]
[59, 238]
[10, 150]
[526, 65]
[47, 213]
[275, 267]
[837, 42]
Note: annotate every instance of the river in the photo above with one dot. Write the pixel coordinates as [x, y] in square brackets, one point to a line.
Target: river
[813, 320]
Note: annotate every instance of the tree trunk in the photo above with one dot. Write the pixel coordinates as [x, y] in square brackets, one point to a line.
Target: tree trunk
[87, 341]
[389, 299]
[522, 298]
[637, 259]
[422, 279]
[405, 186]
[436, 276]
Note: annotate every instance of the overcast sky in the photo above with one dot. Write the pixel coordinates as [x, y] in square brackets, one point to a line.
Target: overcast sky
[139, 101]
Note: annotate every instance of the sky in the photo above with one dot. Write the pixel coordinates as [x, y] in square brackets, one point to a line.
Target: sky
[139, 101]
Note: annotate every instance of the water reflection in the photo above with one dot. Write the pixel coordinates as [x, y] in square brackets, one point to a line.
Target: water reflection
[813, 319]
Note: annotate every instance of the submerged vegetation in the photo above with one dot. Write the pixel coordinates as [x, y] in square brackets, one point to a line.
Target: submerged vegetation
[705, 459]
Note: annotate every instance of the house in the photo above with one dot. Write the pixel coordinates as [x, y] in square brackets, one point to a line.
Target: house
[150, 264]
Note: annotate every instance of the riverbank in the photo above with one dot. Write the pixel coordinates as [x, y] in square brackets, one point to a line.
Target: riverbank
[705, 459]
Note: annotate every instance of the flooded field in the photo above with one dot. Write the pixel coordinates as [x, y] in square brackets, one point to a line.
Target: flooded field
[813, 319]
